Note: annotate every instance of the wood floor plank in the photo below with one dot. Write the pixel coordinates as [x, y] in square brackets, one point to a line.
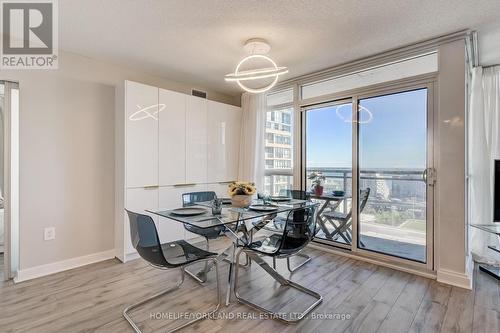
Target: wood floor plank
[459, 311]
[402, 313]
[432, 310]
[485, 320]
[365, 298]
[373, 315]
[487, 291]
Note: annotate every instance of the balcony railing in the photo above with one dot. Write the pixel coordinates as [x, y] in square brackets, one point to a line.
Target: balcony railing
[390, 189]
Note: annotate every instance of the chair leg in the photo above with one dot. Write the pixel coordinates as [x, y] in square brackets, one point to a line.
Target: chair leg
[201, 276]
[274, 263]
[284, 283]
[302, 255]
[146, 300]
[247, 262]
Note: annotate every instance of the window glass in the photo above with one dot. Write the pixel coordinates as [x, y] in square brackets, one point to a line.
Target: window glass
[394, 71]
[278, 151]
[280, 97]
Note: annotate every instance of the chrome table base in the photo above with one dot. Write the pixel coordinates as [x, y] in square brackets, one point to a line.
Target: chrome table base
[282, 281]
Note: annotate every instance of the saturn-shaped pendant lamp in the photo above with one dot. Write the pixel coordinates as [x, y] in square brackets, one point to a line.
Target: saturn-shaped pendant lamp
[257, 72]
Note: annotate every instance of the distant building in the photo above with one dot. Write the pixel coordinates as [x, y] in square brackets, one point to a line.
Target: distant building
[278, 150]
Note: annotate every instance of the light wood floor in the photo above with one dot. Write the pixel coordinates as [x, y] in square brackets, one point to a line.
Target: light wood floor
[375, 299]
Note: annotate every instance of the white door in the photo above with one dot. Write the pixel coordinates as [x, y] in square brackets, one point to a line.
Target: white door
[224, 126]
[172, 138]
[138, 200]
[196, 140]
[141, 134]
[170, 198]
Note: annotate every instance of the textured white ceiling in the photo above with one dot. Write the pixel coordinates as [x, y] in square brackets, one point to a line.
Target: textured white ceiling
[201, 41]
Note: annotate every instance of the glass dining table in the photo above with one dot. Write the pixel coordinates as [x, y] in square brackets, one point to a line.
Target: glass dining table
[239, 225]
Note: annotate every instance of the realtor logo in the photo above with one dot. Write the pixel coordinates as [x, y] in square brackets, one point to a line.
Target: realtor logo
[29, 34]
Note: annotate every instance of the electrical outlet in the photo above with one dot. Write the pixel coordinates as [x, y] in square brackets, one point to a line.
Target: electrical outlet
[49, 233]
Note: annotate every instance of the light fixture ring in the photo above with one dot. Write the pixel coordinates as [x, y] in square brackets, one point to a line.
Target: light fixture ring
[256, 74]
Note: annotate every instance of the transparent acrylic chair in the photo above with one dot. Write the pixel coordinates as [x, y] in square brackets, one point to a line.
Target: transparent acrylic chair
[190, 199]
[175, 254]
[298, 231]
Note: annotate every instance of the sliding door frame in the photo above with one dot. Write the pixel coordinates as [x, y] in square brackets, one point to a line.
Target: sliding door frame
[426, 81]
[11, 184]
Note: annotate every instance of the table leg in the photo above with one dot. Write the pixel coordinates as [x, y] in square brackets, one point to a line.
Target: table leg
[230, 279]
[321, 220]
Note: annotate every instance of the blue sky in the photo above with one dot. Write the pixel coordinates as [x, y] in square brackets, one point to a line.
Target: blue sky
[394, 138]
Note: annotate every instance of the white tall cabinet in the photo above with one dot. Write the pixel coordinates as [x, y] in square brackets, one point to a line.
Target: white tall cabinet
[169, 143]
[172, 138]
[141, 135]
[196, 140]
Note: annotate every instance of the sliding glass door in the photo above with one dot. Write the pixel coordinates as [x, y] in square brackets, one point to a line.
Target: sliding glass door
[328, 130]
[392, 163]
[385, 145]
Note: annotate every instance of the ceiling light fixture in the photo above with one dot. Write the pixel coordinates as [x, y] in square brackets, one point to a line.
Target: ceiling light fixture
[257, 48]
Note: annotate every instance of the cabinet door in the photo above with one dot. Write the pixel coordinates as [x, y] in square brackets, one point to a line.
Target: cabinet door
[233, 135]
[141, 153]
[172, 138]
[196, 140]
[170, 198]
[221, 189]
[138, 200]
[224, 130]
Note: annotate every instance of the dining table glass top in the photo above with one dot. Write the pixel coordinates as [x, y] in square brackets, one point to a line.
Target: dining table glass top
[230, 214]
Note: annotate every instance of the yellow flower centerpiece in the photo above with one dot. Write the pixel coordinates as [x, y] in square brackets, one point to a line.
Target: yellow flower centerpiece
[241, 193]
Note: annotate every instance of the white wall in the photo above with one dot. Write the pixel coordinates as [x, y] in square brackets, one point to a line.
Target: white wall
[67, 155]
[450, 250]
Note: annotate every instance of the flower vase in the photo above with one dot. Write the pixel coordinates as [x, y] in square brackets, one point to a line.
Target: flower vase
[318, 190]
[241, 200]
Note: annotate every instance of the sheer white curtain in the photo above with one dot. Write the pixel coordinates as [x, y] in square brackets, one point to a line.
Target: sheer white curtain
[252, 145]
[484, 147]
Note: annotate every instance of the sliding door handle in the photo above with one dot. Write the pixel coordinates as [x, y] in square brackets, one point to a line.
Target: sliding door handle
[429, 176]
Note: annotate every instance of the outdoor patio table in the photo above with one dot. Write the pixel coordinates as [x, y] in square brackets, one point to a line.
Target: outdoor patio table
[330, 202]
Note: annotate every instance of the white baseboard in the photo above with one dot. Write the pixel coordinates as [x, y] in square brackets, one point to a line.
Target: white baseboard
[462, 280]
[59, 266]
[131, 256]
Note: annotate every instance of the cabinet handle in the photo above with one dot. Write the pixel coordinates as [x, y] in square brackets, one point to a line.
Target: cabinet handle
[225, 183]
[184, 185]
[151, 187]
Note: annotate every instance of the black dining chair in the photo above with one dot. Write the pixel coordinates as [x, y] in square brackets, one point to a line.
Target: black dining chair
[298, 231]
[193, 198]
[175, 254]
[278, 223]
[344, 219]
